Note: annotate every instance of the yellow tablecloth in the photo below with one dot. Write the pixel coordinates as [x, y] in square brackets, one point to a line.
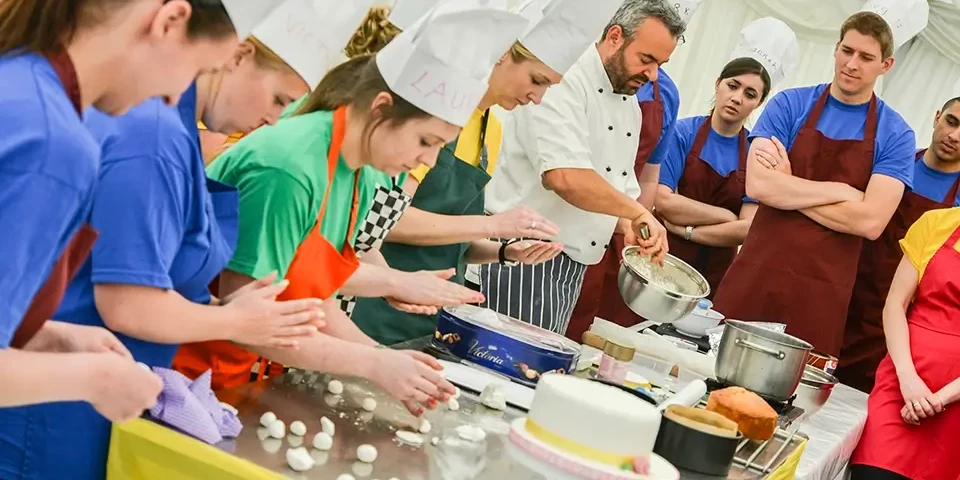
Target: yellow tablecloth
[143, 450]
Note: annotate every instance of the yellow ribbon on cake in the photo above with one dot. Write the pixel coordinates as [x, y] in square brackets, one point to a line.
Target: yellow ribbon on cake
[576, 448]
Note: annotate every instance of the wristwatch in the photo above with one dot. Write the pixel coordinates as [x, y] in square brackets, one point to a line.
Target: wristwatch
[688, 233]
[503, 254]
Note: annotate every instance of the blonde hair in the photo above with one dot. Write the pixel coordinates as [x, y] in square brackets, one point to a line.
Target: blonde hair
[374, 33]
[267, 58]
[520, 54]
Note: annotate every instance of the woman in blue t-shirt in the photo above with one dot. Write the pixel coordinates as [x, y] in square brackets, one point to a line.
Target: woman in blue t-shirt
[701, 197]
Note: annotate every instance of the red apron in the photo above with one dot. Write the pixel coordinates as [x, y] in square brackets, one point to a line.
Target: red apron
[928, 451]
[702, 183]
[791, 269]
[231, 364]
[47, 299]
[864, 345]
[600, 293]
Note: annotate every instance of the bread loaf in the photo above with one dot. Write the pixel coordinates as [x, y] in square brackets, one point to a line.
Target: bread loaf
[755, 418]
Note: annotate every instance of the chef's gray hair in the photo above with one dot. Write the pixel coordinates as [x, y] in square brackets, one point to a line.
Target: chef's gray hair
[633, 12]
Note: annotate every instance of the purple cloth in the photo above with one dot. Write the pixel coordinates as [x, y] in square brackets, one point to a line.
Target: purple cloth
[192, 407]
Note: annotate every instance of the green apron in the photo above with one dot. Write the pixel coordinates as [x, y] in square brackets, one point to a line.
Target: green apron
[452, 187]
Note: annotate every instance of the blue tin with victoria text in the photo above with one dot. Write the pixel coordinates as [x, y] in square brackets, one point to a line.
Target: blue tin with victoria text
[505, 345]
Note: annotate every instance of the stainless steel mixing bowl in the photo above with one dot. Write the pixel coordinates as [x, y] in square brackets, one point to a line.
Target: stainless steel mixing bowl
[649, 298]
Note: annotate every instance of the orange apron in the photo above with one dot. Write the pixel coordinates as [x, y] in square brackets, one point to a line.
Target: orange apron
[318, 270]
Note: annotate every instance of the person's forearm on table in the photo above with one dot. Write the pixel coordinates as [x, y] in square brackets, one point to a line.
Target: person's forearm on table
[587, 190]
[40, 377]
[422, 228]
[161, 316]
[649, 181]
[339, 325]
[324, 353]
[683, 211]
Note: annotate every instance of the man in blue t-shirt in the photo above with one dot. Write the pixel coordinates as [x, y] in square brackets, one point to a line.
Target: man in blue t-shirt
[936, 177]
[828, 165]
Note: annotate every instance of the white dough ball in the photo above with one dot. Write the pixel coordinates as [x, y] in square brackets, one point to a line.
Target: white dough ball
[424, 426]
[335, 387]
[277, 429]
[369, 404]
[267, 418]
[299, 459]
[362, 469]
[367, 453]
[410, 437]
[328, 426]
[435, 441]
[322, 441]
[471, 433]
[453, 404]
[298, 428]
[456, 392]
[346, 476]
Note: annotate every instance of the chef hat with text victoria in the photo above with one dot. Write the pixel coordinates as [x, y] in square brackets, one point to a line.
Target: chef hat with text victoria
[443, 62]
[406, 12]
[566, 29]
[310, 35]
[772, 43]
[247, 14]
[905, 17]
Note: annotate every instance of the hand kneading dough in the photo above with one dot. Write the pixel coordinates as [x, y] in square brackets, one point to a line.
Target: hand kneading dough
[755, 418]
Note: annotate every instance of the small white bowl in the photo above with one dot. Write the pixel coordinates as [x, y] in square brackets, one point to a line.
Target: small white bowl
[698, 322]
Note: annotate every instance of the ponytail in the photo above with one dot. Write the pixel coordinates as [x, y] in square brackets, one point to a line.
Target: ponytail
[38, 25]
[373, 34]
[45, 25]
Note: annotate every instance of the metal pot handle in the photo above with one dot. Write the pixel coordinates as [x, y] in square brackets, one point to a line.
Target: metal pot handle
[753, 346]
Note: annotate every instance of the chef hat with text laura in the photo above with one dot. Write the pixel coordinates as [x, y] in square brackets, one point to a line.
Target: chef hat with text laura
[442, 63]
[310, 35]
[247, 14]
[406, 12]
[772, 43]
[906, 18]
[567, 28]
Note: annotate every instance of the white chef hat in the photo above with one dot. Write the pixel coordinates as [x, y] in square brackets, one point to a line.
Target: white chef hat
[247, 14]
[905, 17]
[567, 28]
[442, 63]
[310, 35]
[772, 43]
[686, 8]
[406, 12]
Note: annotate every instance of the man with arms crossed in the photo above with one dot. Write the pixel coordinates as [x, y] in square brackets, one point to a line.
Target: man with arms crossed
[850, 157]
[571, 158]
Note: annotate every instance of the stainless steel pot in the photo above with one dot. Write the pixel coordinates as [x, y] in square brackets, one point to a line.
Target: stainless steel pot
[814, 390]
[760, 360]
[653, 301]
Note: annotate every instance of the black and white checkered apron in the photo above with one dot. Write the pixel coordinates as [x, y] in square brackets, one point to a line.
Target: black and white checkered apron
[388, 205]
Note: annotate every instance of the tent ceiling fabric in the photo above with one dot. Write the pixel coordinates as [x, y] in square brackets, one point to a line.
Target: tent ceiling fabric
[932, 58]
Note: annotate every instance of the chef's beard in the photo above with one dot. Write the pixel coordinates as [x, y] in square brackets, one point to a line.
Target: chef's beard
[616, 67]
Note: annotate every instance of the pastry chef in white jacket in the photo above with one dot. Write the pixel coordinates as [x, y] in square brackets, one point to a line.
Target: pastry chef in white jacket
[571, 158]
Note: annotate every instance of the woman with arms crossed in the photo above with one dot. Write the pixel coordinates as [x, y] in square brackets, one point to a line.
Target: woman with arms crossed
[911, 432]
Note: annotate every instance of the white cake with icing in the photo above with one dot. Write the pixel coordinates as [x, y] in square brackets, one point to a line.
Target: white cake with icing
[593, 415]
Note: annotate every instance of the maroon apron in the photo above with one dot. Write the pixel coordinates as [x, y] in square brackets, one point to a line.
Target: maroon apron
[47, 299]
[864, 344]
[700, 182]
[600, 293]
[791, 269]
